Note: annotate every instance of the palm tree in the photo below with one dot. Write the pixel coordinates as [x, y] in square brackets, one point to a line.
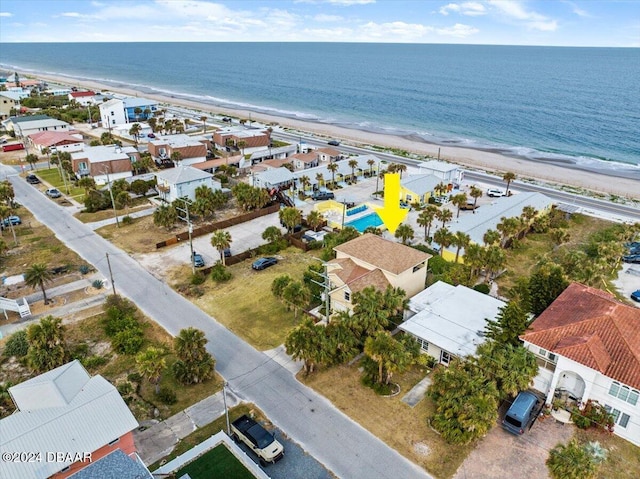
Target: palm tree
[242, 144]
[475, 193]
[370, 162]
[494, 260]
[221, 240]
[333, 167]
[507, 228]
[491, 237]
[426, 217]
[296, 294]
[194, 364]
[559, 236]
[352, 164]
[31, 159]
[46, 344]
[399, 168]
[151, 364]
[474, 258]
[203, 119]
[134, 131]
[314, 219]
[440, 189]
[443, 237]
[304, 343]
[444, 215]
[508, 177]
[460, 240]
[290, 217]
[272, 234]
[459, 201]
[404, 232]
[319, 179]
[137, 111]
[306, 181]
[37, 276]
[47, 151]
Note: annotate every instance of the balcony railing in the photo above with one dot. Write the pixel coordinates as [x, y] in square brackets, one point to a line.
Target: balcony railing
[545, 363]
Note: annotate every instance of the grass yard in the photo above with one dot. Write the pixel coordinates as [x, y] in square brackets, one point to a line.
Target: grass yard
[139, 236]
[623, 459]
[218, 462]
[520, 262]
[245, 304]
[205, 432]
[137, 204]
[401, 427]
[52, 176]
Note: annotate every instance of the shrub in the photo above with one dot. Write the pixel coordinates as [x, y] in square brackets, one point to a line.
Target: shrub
[134, 377]
[17, 344]
[167, 395]
[125, 388]
[592, 415]
[94, 361]
[80, 351]
[84, 269]
[127, 220]
[128, 341]
[314, 244]
[97, 284]
[482, 288]
[197, 279]
[220, 274]
[115, 323]
[572, 461]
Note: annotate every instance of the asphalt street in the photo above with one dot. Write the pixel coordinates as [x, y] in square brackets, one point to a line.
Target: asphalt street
[343, 446]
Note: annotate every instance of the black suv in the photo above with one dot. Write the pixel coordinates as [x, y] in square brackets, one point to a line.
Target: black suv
[33, 179]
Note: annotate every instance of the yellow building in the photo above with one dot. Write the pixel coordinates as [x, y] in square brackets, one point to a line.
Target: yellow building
[371, 260]
[418, 188]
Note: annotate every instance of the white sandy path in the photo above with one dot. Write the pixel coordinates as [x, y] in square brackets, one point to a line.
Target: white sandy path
[487, 161]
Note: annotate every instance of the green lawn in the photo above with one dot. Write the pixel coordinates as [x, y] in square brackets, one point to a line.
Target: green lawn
[245, 304]
[218, 462]
[52, 176]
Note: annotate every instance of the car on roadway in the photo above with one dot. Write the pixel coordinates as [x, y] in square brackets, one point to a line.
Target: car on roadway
[264, 263]
[11, 220]
[32, 179]
[198, 260]
[631, 258]
[151, 135]
[636, 295]
[323, 195]
[53, 193]
[495, 193]
[334, 143]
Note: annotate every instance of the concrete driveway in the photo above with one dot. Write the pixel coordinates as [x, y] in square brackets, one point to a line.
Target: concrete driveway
[501, 455]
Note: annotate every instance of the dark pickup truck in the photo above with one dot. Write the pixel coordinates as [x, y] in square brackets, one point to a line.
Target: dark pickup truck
[261, 441]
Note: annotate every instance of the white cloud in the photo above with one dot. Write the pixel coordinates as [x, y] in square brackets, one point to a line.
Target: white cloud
[6, 14]
[72, 15]
[347, 3]
[515, 10]
[577, 10]
[471, 9]
[395, 31]
[328, 18]
[458, 30]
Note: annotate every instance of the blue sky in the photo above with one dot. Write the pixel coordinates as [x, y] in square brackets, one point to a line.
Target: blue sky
[511, 22]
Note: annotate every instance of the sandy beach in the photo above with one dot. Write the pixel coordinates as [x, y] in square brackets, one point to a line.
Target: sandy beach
[482, 160]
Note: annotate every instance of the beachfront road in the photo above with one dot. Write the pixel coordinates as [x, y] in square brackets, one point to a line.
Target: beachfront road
[586, 204]
[344, 447]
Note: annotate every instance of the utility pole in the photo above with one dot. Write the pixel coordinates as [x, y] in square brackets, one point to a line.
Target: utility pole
[113, 283]
[187, 219]
[327, 288]
[113, 203]
[226, 410]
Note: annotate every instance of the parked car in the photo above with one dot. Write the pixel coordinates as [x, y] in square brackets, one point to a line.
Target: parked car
[631, 258]
[405, 205]
[227, 252]
[522, 412]
[53, 193]
[198, 260]
[258, 439]
[334, 143]
[636, 295]
[264, 263]
[495, 193]
[151, 135]
[32, 179]
[11, 220]
[469, 207]
[323, 195]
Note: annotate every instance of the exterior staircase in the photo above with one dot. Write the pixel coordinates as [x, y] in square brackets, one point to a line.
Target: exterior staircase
[13, 305]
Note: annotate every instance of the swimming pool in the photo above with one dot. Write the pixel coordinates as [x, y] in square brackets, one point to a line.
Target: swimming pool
[364, 222]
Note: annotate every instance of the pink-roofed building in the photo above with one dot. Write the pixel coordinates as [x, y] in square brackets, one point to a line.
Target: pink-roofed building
[60, 141]
[588, 348]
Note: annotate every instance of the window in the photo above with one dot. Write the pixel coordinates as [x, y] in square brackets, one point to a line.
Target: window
[543, 352]
[445, 357]
[347, 296]
[424, 345]
[82, 165]
[418, 267]
[625, 393]
[620, 418]
[113, 113]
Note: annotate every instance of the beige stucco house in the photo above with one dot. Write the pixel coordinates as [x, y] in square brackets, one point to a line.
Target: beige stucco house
[371, 260]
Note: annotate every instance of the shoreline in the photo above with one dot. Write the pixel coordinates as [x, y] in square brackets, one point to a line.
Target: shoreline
[490, 161]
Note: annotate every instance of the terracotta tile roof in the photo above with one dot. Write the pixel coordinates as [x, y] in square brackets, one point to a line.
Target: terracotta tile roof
[381, 253]
[590, 327]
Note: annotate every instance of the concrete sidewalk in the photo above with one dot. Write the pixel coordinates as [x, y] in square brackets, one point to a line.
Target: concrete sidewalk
[159, 439]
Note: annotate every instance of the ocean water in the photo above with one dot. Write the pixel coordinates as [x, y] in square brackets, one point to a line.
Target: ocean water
[574, 106]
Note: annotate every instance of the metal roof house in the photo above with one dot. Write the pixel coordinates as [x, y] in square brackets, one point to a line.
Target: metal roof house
[65, 411]
[449, 321]
[447, 172]
[418, 188]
